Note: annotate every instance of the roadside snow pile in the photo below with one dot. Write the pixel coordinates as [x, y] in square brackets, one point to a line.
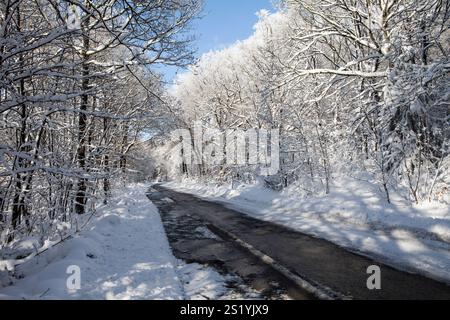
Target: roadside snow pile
[123, 255]
[204, 283]
[354, 215]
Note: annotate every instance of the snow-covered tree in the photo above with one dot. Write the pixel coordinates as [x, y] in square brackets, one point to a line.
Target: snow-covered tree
[77, 93]
[353, 86]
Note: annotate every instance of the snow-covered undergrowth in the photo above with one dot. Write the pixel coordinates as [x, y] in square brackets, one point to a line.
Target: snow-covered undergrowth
[354, 215]
[122, 254]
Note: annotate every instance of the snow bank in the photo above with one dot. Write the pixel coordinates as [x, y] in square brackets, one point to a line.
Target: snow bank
[205, 283]
[123, 255]
[354, 215]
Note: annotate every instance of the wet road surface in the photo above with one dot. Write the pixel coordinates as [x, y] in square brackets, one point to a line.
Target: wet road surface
[194, 240]
[276, 260]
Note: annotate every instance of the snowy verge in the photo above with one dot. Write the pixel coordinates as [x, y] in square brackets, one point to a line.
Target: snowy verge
[354, 215]
[205, 283]
[124, 254]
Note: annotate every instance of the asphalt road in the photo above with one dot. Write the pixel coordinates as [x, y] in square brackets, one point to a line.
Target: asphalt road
[319, 263]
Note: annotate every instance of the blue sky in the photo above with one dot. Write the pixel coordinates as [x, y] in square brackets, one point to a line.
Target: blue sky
[223, 22]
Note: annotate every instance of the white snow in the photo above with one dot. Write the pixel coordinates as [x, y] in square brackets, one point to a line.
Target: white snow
[204, 283]
[124, 254]
[354, 215]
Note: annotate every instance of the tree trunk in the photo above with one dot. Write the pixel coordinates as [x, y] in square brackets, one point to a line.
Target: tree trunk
[80, 198]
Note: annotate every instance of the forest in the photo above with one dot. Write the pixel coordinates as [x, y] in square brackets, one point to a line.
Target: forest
[77, 93]
[357, 88]
[350, 88]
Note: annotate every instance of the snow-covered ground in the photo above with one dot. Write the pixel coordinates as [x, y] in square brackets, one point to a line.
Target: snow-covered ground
[204, 283]
[354, 215]
[123, 254]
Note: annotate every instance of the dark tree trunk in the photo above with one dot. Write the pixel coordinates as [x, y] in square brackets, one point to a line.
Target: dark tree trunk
[80, 198]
